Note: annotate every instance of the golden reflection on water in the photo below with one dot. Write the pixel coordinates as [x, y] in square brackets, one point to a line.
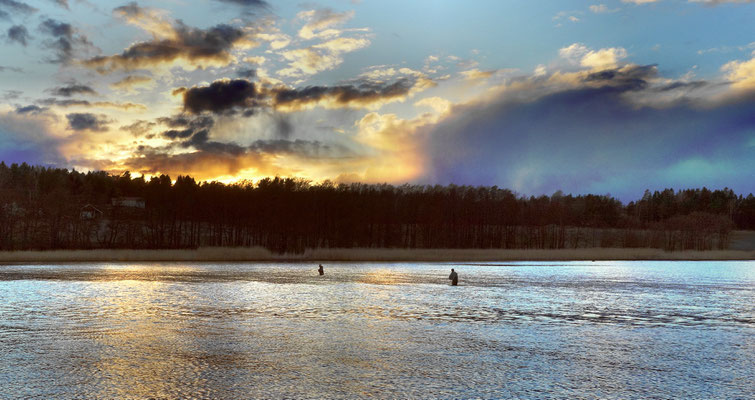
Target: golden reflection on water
[144, 334]
[251, 331]
[133, 311]
[383, 277]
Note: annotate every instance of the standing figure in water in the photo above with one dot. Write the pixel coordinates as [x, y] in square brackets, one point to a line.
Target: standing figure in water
[454, 277]
[321, 270]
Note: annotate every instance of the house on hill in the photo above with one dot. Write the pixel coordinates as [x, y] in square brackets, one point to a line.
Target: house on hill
[90, 212]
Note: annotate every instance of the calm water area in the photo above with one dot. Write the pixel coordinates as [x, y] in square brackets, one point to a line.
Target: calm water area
[386, 330]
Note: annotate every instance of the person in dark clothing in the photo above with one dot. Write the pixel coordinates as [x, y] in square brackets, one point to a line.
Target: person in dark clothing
[321, 270]
[454, 277]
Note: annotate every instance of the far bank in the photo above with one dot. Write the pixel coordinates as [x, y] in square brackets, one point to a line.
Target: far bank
[241, 254]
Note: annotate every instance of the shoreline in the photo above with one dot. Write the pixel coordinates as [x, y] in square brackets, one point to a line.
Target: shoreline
[239, 254]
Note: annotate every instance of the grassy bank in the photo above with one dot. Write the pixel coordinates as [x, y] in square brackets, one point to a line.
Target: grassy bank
[260, 254]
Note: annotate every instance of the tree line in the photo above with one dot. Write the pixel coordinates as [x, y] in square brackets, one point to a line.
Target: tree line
[52, 208]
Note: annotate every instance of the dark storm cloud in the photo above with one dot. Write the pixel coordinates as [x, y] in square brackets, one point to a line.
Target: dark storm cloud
[683, 85]
[12, 7]
[249, 73]
[627, 78]
[190, 130]
[31, 109]
[178, 134]
[19, 34]
[240, 95]
[226, 96]
[139, 128]
[198, 139]
[64, 39]
[596, 140]
[356, 95]
[192, 44]
[86, 121]
[72, 90]
[184, 121]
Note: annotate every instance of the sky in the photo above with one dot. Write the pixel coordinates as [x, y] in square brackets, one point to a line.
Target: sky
[604, 97]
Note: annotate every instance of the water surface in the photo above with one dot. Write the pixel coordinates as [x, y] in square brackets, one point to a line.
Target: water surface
[250, 330]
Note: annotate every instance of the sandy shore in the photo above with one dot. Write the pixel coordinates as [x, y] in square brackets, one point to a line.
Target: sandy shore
[260, 254]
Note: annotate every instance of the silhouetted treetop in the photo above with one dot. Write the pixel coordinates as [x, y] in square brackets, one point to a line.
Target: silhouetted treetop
[41, 208]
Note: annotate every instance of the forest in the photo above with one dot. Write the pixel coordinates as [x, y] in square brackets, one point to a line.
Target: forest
[45, 208]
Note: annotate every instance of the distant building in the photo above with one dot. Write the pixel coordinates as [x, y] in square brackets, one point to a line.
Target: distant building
[133, 202]
[90, 212]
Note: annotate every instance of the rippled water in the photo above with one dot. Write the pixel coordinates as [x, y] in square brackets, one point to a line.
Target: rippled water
[250, 330]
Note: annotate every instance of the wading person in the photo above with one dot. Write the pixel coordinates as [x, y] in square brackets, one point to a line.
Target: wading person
[320, 270]
[454, 277]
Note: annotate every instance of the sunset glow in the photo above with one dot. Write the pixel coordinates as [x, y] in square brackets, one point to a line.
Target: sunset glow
[584, 97]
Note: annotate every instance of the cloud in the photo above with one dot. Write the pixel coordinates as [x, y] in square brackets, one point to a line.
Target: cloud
[476, 75]
[87, 122]
[318, 22]
[4, 68]
[601, 9]
[578, 53]
[29, 136]
[132, 81]
[193, 130]
[9, 7]
[568, 15]
[320, 57]
[223, 96]
[213, 160]
[601, 134]
[741, 74]
[202, 165]
[629, 78]
[128, 106]
[397, 145]
[62, 3]
[30, 109]
[277, 41]
[139, 128]
[152, 20]
[172, 42]
[380, 73]
[196, 46]
[437, 104]
[247, 73]
[65, 40]
[230, 96]
[639, 1]
[19, 34]
[363, 94]
[72, 90]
